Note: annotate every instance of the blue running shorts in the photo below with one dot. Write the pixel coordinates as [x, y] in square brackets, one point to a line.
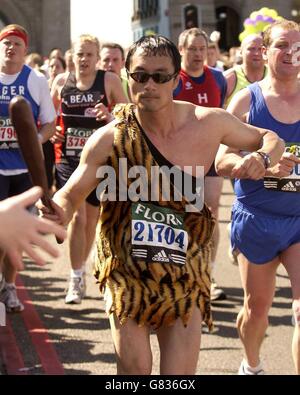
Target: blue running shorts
[261, 237]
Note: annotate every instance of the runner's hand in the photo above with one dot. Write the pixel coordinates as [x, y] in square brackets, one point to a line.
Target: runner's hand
[56, 214]
[250, 167]
[284, 167]
[20, 229]
[58, 137]
[102, 113]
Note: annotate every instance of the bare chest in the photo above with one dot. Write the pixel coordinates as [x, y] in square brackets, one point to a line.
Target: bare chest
[189, 148]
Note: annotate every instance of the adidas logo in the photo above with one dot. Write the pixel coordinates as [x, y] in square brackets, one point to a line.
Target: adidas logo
[161, 257]
[289, 187]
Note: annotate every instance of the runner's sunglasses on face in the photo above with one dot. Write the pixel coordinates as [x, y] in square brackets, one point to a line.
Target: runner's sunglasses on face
[159, 78]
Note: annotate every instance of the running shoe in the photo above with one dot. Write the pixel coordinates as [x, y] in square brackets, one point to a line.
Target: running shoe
[216, 293]
[76, 290]
[244, 371]
[9, 297]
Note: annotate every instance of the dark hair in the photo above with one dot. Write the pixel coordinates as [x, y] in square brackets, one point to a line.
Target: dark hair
[61, 60]
[155, 45]
[114, 46]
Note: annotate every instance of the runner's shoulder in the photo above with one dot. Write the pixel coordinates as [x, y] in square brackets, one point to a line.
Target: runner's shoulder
[60, 80]
[99, 146]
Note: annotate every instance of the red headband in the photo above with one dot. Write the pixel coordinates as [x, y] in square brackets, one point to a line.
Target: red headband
[17, 33]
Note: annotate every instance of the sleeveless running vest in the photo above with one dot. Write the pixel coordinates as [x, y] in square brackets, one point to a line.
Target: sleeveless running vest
[241, 81]
[78, 118]
[207, 93]
[10, 155]
[153, 257]
[253, 193]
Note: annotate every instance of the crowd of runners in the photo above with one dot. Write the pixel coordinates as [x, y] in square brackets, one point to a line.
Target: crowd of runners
[166, 122]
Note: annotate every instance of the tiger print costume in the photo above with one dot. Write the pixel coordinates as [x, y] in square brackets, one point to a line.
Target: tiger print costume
[151, 293]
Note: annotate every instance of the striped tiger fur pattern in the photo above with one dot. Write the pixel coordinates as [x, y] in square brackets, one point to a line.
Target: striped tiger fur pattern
[154, 293]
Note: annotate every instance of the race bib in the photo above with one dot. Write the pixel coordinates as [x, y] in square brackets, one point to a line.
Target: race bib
[8, 135]
[76, 139]
[158, 234]
[290, 183]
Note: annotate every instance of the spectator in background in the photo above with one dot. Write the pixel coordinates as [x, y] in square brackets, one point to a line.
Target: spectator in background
[70, 66]
[204, 86]
[55, 53]
[235, 56]
[213, 57]
[56, 66]
[35, 61]
[252, 68]
[112, 58]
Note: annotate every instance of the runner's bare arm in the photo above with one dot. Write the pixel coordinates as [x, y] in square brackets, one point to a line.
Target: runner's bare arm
[230, 77]
[57, 86]
[240, 138]
[84, 180]
[115, 95]
[46, 131]
[114, 89]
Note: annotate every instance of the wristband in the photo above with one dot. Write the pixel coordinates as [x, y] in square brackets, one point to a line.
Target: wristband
[266, 158]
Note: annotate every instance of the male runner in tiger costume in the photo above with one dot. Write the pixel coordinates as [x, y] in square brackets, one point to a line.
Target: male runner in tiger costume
[153, 256]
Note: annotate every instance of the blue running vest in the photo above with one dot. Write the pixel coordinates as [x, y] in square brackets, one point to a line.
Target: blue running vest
[252, 193]
[10, 155]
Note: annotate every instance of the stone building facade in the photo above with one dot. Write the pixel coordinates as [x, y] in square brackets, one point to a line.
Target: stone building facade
[47, 22]
[167, 16]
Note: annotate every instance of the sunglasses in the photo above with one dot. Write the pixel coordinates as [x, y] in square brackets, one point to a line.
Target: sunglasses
[159, 78]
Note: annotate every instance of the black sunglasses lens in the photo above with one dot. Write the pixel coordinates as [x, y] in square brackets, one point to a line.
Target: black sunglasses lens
[140, 77]
[158, 78]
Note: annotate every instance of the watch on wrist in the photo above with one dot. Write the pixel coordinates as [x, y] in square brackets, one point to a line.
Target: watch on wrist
[266, 158]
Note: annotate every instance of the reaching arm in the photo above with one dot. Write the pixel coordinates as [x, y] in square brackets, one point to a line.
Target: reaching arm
[114, 89]
[46, 131]
[115, 95]
[238, 157]
[230, 77]
[20, 229]
[95, 153]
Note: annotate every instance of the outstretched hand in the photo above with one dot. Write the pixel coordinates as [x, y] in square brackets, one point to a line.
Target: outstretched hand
[19, 229]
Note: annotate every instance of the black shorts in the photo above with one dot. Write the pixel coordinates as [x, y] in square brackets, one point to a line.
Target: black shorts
[48, 150]
[14, 185]
[64, 172]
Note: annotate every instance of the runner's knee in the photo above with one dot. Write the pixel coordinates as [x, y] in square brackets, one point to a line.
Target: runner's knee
[257, 307]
